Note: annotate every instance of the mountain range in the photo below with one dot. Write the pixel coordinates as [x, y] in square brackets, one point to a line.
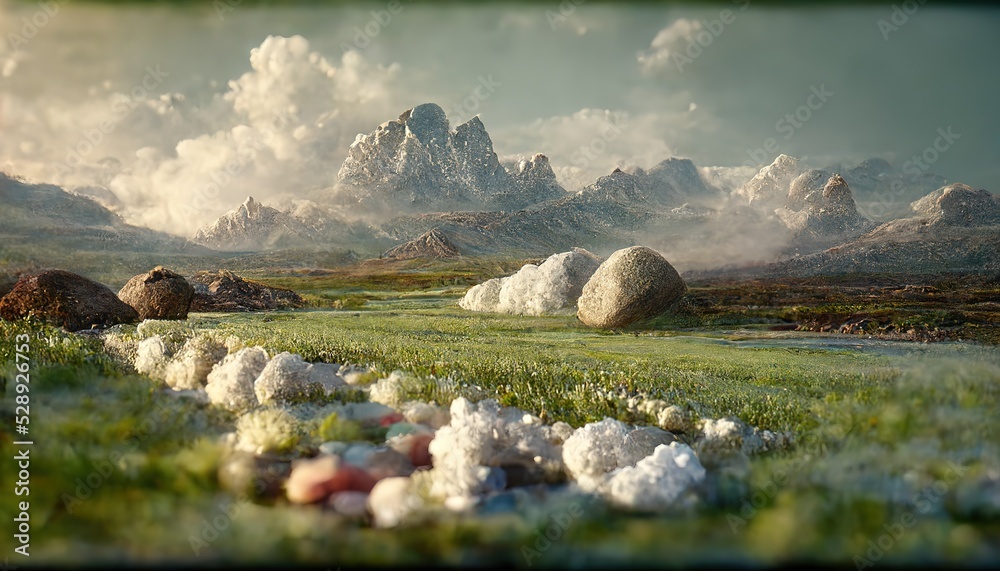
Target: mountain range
[453, 196]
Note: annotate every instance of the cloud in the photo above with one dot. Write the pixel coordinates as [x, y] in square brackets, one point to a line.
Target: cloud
[675, 37]
[591, 142]
[280, 130]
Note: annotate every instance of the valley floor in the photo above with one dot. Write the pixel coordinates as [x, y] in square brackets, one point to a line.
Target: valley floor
[885, 432]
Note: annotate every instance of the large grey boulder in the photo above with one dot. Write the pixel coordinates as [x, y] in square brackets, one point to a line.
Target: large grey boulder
[632, 284]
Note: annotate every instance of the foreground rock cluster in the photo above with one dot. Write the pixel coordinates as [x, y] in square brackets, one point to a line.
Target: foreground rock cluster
[362, 447]
[75, 303]
[631, 285]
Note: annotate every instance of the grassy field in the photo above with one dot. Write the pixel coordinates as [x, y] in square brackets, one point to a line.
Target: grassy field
[881, 428]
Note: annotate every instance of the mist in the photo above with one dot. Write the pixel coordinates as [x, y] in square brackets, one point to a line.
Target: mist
[183, 112]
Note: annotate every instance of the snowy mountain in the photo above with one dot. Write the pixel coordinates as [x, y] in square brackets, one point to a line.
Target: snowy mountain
[418, 162]
[954, 228]
[253, 226]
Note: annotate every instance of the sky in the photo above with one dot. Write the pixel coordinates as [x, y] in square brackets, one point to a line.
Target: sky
[182, 112]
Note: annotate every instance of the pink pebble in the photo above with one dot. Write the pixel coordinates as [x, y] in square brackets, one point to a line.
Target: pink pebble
[308, 481]
[390, 419]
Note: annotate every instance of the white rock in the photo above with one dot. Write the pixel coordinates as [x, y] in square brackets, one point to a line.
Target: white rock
[288, 378]
[592, 451]
[479, 438]
[392, 500]
[674, 419]
[553, 285]
[659, 480]
[431, 415]
[325, 375]
[231, 382]
[152, 357]
[189, 368]
[484, 296]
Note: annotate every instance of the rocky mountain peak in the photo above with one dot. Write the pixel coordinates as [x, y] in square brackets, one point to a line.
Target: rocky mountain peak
[429, 124]
[770, 185]
[806, 189]
[416, 161]
[959, 204]
[837, 196]
[433, 244]
[251, 208]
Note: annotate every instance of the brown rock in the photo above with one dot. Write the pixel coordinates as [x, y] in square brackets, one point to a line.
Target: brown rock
[65, 299]
[632, 284]
[158, 294]
[433, 244]
[225, 291]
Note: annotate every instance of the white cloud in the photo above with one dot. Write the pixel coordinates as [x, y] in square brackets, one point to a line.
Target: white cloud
[592, 142]
[675, 37]
[281, 130]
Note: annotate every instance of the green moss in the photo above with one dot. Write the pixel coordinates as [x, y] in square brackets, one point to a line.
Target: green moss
[334, 428]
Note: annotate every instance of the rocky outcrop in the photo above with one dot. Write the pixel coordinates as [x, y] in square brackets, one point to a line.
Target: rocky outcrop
[253, 226]
[675, 182]
[632, 284]
[959, 205]
[225, 291]
[953, 229]
[828, 216]
[158, 294]
[882, 191]
[553, 285]
[806, 189]
[769, 187]
[416, 161]
[433, 244]
[68, 300]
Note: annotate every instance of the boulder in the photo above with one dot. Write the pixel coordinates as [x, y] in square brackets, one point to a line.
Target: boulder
[289, 379]
[190, 366]
[65, 299]
[231, 383]
[553, 285]
[658, 481]
[158, 294]
[225, 291]
[632, 284]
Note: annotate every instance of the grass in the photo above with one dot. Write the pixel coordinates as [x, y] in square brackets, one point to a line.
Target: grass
[875, 429]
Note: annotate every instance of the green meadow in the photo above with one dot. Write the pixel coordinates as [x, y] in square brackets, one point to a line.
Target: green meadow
[883, 432]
